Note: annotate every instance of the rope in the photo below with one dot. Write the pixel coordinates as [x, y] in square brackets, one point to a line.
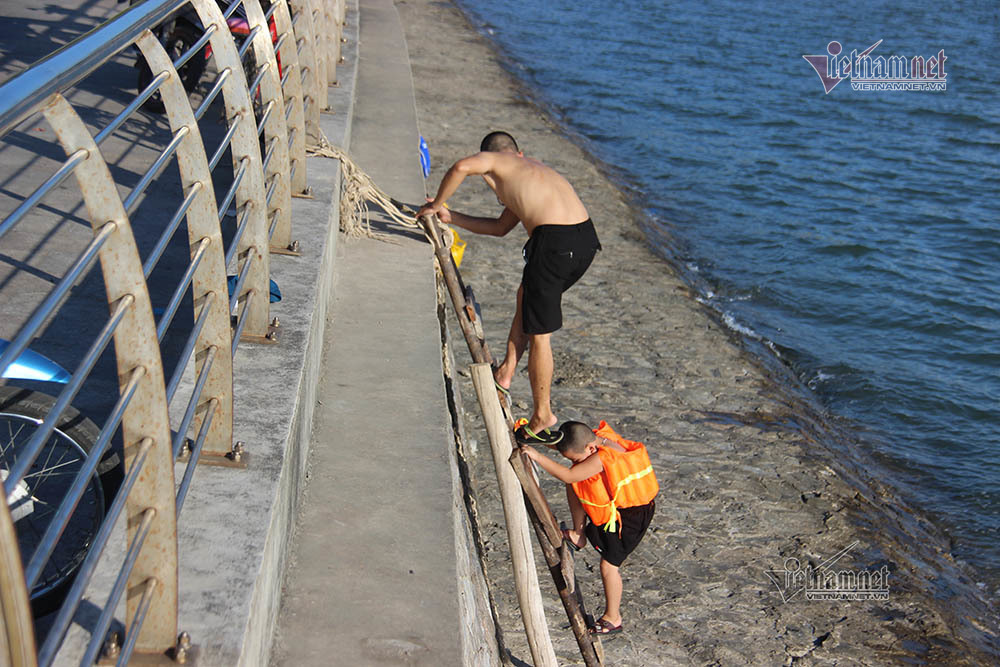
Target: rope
[359, 191]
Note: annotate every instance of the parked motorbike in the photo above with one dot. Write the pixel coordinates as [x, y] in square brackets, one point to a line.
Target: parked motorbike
[34, 501]
[181, 31]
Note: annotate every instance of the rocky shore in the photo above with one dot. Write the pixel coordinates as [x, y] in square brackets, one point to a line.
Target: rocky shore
[754, 488]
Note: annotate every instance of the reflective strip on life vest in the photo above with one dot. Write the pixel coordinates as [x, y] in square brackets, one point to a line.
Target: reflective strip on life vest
[612, 523]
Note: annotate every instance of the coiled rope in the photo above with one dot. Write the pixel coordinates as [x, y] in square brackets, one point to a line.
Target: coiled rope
[359, 190]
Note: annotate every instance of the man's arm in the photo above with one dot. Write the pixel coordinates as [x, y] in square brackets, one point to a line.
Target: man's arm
[480, 163]
[585, 469]
[499, 226]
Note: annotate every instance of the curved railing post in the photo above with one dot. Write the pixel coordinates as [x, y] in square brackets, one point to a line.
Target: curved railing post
[17, 633]
[320, 34]
[276, 183]
[208, 285]
[145, 419]
[292, 88]
[332, 39]
[253, 245]
[305, 36]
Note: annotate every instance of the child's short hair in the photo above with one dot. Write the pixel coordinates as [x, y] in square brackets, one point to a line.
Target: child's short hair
[497, 142]
[576, 436]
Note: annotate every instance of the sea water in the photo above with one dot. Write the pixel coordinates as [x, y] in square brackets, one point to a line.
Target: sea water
[853, 233]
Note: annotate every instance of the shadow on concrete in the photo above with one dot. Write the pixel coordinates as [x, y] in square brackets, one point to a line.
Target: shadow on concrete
[381, 223]
[27, 40]
[58, 230]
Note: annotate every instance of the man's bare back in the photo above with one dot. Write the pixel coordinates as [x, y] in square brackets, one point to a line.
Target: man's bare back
[535, 193]
[531, 192]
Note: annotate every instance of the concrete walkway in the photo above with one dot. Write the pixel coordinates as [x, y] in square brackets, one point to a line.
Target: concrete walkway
[372, 574]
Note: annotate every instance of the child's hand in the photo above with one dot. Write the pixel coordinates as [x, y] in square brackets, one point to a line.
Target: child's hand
[530, 452]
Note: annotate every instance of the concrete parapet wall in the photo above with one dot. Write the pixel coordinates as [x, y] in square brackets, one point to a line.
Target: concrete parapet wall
[237, 526]
[291, 369]
[234, 531]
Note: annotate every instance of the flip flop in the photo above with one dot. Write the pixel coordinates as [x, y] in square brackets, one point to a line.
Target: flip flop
[604, 627]
[525, 436]
[565, 533]
[503, 390]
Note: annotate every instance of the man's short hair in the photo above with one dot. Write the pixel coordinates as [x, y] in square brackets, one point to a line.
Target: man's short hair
[497, 142]
[576, 436]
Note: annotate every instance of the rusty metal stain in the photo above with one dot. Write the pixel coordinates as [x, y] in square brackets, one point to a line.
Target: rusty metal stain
[320, 29]
[335, 30]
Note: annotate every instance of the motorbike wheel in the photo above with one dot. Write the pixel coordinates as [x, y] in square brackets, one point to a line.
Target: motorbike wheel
[36, 499]
[179, 41]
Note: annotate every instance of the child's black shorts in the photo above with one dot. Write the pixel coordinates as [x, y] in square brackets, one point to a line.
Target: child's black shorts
[614, 547]
[556, 257]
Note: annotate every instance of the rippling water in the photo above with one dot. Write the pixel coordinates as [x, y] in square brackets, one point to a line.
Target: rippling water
[854, 233]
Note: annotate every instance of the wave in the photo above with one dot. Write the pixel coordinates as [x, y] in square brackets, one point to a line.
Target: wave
[968, 119]
[846, 249]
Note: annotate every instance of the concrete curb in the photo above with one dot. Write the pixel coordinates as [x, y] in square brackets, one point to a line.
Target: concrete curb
[371, 576]
[231, 614]
[321, 218]
[482, 641]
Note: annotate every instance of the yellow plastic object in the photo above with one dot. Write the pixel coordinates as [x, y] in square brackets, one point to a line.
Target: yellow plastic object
[457, 248]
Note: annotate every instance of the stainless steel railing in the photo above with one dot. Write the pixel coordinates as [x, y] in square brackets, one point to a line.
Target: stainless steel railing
[55, 525]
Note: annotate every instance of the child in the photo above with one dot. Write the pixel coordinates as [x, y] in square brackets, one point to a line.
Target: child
[611, 482]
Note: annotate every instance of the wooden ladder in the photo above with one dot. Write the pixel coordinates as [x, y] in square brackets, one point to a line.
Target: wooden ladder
[558, 554]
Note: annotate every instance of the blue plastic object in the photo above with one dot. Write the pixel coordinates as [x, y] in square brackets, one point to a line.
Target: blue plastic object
[275, 292]
[33, 366]
[425, 158]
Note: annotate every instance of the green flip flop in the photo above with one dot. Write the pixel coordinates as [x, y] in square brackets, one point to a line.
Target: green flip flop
[547, 437]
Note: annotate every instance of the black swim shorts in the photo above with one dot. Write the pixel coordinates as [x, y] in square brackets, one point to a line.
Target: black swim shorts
[556, 257]
[614, 547]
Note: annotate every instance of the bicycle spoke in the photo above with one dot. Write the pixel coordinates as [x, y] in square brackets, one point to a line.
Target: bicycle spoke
[55, 467]
[11, 437]
[47, 469]
[46, 484]
[51, 446]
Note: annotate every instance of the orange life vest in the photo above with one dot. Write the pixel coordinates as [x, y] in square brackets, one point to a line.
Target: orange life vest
[626, 481]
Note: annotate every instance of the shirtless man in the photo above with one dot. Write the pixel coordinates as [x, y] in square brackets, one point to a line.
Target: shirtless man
[561, 245]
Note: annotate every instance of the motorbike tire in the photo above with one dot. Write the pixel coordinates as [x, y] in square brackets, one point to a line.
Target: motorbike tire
[21, 412]
[180, 40]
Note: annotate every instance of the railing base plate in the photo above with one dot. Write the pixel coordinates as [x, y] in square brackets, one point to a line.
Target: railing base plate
[223, 460]
[168, 657]
[270, 339]
[237, 457]
[286, 250]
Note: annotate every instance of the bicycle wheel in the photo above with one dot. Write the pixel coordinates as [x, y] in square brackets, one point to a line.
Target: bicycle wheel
[35, 500]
